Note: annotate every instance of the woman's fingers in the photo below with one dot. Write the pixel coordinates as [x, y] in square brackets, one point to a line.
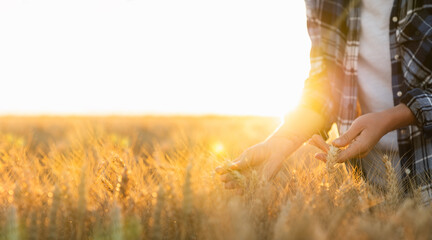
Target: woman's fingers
[242, 162]
[237, 165]
[319, 142]
[230, 181]
[321, 157]
[348, 136]
[355, 149]
[226, 177]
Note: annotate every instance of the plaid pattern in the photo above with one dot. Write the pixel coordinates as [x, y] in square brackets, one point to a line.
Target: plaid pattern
[331, 89]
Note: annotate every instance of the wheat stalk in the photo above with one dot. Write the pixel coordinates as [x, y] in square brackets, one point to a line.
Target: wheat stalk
[392, 195]
[157, 215]
[53, 214]
[12, 224]
[116, 223]
[82, 203]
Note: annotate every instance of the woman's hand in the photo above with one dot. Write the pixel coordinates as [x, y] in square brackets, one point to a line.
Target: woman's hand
[365, 132]
[360, 138]
[267, 156]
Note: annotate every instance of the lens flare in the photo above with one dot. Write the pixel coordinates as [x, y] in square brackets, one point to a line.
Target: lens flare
[218, 148]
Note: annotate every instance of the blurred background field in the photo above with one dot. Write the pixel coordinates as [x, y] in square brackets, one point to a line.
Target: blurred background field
[153, 178]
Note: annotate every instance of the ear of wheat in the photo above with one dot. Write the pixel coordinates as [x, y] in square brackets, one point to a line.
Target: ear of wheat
[393, 191]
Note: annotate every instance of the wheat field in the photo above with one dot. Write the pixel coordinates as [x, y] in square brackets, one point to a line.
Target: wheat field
[153, 178]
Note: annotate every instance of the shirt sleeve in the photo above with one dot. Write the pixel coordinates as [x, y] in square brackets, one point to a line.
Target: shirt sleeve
[419, 101]
[317, 92]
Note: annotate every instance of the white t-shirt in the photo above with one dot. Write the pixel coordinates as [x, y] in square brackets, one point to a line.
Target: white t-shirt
[374, 77]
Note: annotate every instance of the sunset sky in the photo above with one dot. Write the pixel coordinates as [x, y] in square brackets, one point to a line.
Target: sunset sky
[152, 56]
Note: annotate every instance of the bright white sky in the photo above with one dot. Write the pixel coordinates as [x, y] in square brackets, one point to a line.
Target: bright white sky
[152, 56]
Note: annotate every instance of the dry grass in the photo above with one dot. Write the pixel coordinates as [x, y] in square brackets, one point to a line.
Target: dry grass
[153, 178]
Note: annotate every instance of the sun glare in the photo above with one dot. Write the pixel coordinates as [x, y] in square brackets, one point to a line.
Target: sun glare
[218, 148]
[152, 57]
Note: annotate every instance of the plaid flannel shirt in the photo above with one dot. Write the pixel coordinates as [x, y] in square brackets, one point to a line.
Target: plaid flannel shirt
[331, 89]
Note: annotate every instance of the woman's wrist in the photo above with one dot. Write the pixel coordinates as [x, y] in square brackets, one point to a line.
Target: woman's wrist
[284, 144]
[398, 117]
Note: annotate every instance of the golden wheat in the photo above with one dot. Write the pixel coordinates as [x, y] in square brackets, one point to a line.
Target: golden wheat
[152, 178]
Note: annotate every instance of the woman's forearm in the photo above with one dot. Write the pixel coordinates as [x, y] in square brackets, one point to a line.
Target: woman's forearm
[300, 125]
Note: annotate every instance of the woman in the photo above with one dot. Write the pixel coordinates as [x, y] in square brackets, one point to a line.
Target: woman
[371, 74]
